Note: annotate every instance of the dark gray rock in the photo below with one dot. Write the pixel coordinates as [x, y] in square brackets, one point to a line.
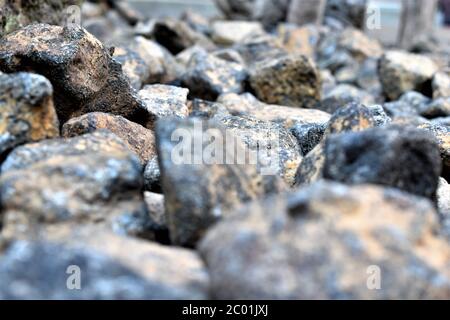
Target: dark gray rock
[402, 157]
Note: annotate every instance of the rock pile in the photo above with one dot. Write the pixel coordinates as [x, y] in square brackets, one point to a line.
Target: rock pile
[198, 158]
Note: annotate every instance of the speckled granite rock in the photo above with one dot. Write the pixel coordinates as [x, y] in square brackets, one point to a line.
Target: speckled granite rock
[353, 117]
[401, 72]
[197, 193]
[27, 111]
[281, 247]
[443, 200]
[207, 76]
[164, 101]
[230, 32]
[176, 35]
[138, 139]
[84, 76]
[290, 81]
[92, 179]
[442, 135]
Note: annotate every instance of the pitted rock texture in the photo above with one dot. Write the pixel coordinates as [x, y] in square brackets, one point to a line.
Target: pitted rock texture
[17, 14]
[323, 241]
[140, 140]
[27, 110]
[84, 76]
[197, 193]
[401, 72]
[207, 77]
[289, 81]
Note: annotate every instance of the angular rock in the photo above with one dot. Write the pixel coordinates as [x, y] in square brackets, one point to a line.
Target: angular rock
[152, 176]
[17, 14]
[344, 94]
[176, 35]
[276, 147]
[308, 135]
[299, 40]
[208, 110]
[133, 66]
[27, 111]
[443, 201]
[347, 13]
[207, 77]
[401, 72]
[324, 242]
[353, 117]
[289, 81]
[401, 157]
[437, 108]
[88, 179]
[442, 136]
[164, 101]
[441, 85]
[230, 32]
[140, 140]
[197, 191]
[161, 65]
[246, 104]
[196, 21]
[84, 76]
[158, 219]
[142, 271]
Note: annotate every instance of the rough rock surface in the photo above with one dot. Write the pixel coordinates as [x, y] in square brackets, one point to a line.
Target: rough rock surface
[84, 76]
[161, 65]
[289, 81]
[27, 111]
[133, 66]
[197, 193]
[138, 139]
[353, 117]
[344, 94]
[380, 156]
[329, 241]
[276, 148]
[231, 32]
[443, 200]
[88, 179]
[401, 72]
[208, 76]
[246, 104]
[143, 271]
